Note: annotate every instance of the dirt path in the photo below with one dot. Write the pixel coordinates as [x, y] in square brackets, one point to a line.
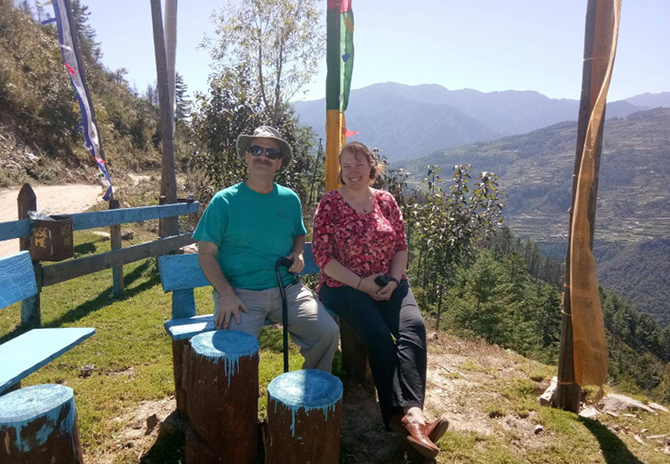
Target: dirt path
[52, 199]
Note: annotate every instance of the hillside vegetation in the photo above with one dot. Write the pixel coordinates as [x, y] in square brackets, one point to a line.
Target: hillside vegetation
[633, 215]
[39, 136]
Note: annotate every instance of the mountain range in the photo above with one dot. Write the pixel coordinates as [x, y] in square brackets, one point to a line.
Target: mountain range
[413, 121]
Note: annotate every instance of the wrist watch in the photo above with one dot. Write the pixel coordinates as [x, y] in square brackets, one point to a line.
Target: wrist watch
[393, 279]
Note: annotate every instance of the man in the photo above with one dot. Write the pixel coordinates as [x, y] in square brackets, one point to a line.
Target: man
[245, 229]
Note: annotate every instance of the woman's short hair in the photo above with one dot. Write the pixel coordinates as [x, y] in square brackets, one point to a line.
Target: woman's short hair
[358, 149]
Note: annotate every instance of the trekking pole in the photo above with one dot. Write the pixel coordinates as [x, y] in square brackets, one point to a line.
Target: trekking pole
[284, 305]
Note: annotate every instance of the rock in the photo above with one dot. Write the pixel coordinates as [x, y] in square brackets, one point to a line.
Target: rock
[86, 370]
[589, 412]
[667, 450]
[613, 414]
[639, 440]
[658, 407]
[152, 422]
[538, 429]
[545, 399]
[103, 235]
[127, 235]
[618, 403]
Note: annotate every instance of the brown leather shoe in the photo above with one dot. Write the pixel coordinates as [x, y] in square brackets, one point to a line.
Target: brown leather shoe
[435, 429]
[415, 434]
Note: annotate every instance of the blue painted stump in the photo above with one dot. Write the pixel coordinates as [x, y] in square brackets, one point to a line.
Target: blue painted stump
[221, 376]
[304, 417]
[39, 425]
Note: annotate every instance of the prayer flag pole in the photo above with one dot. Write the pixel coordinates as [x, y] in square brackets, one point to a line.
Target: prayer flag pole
[340, 60]
[583, 358]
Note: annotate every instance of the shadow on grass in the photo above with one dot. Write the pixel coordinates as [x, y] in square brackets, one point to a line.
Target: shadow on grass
[84, 249]
[614, 450]
[103, 299]
[170, 445]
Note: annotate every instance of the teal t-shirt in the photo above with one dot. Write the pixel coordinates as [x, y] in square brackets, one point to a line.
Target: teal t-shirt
[252, 230]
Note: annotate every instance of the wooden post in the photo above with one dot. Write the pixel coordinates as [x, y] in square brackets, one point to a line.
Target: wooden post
[599, 17]
[221, 376]
[115, 234]
[39, 424]
[168, 226]
[304, 417]
[179, 348]
[354, 355]
[31, 311]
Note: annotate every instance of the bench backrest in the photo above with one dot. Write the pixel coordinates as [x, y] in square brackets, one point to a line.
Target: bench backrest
[180, 274]
[17, 278]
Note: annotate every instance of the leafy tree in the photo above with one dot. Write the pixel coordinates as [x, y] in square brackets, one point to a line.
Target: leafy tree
[281, 41]
[450, 223]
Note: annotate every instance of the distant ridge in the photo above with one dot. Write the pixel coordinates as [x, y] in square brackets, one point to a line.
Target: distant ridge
[413, 121]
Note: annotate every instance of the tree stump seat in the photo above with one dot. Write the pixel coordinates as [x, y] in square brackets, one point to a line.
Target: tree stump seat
[38, 424]
[220, 375]
[304, 417]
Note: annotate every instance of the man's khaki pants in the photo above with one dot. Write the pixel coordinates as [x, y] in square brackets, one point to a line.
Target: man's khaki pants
[310, 325]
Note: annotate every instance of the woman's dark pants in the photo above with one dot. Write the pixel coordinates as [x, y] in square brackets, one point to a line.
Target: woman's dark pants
[395, 336]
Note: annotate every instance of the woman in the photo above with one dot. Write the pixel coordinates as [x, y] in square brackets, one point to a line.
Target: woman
[359, 235]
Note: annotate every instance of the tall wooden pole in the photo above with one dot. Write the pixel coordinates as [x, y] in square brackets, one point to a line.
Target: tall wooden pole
[168, 226]
[599, 21]
[31, 312]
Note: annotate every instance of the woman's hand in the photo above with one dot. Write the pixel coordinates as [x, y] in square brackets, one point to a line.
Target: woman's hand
[369, 286]
[386, 292]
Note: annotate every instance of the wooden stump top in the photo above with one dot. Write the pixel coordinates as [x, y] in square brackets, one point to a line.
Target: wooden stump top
[227, 346]
[22, 408]
[306, 390]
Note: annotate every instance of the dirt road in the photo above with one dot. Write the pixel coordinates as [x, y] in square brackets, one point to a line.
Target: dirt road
[52, 199]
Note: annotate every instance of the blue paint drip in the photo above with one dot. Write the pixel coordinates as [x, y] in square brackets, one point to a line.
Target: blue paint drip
[21, 407]
[227, 346]
[306, 390]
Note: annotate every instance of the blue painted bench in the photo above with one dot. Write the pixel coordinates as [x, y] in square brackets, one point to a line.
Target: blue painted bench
[181, 274]
[23, 355]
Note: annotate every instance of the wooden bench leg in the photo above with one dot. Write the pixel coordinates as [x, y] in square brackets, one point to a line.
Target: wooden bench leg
[178, 348]
[354, 355]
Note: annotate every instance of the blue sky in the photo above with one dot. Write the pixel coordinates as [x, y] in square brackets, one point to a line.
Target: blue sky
[486, 45]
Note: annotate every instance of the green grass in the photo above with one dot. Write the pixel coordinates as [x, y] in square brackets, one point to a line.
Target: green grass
[131, 352]
[132, 356]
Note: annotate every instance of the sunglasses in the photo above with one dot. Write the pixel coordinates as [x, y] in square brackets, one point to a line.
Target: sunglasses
[271, 153]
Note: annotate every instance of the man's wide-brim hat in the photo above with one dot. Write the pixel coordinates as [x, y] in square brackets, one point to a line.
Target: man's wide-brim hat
[266, 132]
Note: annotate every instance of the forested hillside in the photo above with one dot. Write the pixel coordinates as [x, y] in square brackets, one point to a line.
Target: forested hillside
[633, 215]
[39, 118]
[478, 280]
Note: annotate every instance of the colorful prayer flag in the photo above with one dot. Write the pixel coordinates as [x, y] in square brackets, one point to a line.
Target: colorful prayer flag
[75, 67]
[340, 60]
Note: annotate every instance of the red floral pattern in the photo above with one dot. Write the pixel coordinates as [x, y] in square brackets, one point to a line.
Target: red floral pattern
[363, 243]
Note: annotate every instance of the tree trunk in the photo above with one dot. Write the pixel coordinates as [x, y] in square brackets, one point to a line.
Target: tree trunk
[39, 425]
[221, 377]
[304, 417]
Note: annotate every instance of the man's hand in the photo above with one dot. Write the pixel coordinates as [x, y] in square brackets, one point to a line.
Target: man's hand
[298, 262]
[229, 306]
